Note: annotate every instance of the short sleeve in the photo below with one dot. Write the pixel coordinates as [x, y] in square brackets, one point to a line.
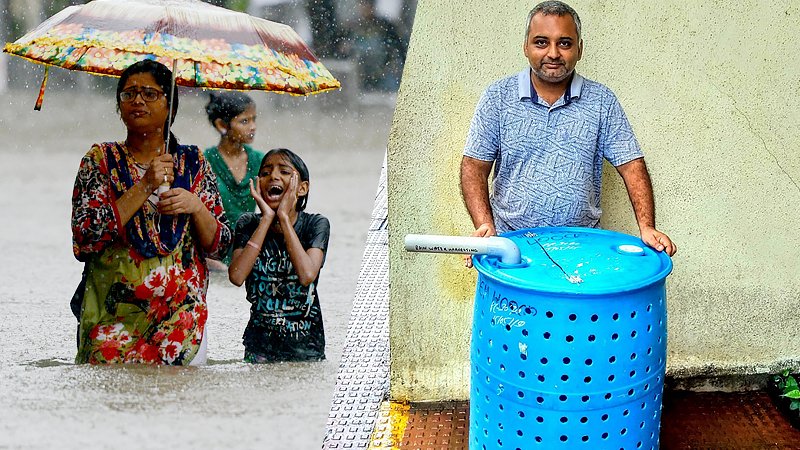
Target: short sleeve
[207, 190]
[245, 226]
[618, 144]
[483, 138]
[95, 219]
[316, 234]
[320, 232]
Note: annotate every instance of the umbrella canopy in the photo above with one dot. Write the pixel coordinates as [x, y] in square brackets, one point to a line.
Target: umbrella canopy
[207, 45]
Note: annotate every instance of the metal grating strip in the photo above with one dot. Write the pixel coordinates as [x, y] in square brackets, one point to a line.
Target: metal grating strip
[363, 379]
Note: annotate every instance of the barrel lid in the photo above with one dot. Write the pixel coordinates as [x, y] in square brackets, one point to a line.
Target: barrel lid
[593, 261]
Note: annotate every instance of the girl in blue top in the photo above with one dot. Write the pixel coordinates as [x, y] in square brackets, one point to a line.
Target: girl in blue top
[278, 254]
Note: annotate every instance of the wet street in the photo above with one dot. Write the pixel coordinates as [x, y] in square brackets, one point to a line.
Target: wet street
[48, 402]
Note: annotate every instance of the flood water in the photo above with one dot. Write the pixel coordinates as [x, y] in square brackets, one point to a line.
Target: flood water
[46, 401]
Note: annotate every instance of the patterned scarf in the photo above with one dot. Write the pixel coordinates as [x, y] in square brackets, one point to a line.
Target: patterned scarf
[160, 237]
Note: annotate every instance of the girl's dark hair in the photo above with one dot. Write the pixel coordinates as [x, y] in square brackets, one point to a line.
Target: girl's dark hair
[226, 105]
[163, 77]
[298, 164]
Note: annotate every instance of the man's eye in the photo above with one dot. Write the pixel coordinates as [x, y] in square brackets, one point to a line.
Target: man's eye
[540, 43]
[565, 44]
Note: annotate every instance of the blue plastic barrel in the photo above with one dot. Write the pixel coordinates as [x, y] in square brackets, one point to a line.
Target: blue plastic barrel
[569, 346]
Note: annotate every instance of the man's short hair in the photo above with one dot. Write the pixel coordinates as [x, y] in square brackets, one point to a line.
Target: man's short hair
[553, 7]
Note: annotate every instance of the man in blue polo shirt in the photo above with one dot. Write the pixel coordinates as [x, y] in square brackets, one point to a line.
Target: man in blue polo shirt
[547, 130]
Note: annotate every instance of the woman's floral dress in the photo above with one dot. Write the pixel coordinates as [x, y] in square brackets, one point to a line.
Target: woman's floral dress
[146, 281]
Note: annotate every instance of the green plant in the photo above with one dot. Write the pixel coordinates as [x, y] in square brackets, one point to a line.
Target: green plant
[784, 390]
[785, 387]
[788, 388]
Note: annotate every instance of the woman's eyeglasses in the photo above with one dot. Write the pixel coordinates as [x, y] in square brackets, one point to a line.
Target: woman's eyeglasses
[148, 95]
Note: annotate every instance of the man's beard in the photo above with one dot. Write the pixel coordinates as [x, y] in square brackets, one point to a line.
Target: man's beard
[542, 74]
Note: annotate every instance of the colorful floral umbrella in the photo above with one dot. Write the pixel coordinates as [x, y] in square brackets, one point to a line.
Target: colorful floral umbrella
[207, 45]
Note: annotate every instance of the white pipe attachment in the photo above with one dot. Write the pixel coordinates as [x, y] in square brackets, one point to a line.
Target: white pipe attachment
[504, 248]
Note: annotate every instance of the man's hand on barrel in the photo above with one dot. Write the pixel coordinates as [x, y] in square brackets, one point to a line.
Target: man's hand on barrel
[658, 240]
[484, 230]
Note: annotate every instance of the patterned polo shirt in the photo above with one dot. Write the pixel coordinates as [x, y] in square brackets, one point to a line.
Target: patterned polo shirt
[548, 158]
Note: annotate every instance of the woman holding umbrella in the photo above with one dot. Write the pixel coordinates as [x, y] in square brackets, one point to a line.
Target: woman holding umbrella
[146, 276]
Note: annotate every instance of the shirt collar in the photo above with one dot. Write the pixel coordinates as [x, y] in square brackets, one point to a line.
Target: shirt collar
[526, 89]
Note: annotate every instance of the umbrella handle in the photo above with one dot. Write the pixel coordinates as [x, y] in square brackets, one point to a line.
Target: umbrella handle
[171, 99]
[164, 187]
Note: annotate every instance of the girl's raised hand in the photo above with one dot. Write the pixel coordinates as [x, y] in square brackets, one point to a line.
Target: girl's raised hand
[266, 212]
[289, 200]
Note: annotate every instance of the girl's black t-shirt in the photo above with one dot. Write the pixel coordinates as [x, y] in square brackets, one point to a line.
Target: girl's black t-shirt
[285, 316]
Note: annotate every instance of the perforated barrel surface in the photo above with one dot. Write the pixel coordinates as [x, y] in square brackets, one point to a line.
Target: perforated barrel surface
[566, 370]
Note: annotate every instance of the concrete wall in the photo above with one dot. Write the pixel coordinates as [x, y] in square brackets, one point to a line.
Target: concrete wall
[711, 89]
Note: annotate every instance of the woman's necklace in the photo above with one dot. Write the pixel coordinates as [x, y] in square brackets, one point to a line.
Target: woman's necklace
[138, 164]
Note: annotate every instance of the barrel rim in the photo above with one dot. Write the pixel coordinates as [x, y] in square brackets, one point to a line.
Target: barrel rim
[481, 265]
